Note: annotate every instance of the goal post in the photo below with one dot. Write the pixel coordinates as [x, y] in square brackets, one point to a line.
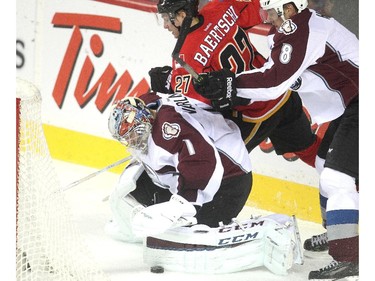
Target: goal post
[48, 244]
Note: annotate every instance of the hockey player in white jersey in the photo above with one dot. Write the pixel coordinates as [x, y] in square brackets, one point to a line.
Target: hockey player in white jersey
[191, 167]
[318, 57]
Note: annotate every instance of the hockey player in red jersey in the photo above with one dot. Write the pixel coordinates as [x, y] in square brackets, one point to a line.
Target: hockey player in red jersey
[216, 39]
[318, 57]
[215, 30]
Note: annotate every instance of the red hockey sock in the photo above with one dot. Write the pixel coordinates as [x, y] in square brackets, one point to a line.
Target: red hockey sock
[308, 155]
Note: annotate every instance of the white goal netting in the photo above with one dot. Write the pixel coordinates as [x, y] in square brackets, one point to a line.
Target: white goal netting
[48, 245]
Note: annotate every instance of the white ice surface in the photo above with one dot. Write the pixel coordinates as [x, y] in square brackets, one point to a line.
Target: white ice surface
[123, 261]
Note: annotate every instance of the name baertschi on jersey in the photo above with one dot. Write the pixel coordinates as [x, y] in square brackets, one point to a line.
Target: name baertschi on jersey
[216, 35]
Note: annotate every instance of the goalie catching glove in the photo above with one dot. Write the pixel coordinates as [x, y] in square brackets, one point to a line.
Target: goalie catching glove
[158, 218]
[220, 88]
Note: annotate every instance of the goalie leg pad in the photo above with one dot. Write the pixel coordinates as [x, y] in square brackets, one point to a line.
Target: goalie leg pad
[122, 204]
[120, 227]
[283, 246]
[193, 258]
[278, 251]
[128, 179]
[267, 241]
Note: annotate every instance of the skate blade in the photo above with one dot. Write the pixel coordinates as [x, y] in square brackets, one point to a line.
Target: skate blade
[349, 278]
[315, 255]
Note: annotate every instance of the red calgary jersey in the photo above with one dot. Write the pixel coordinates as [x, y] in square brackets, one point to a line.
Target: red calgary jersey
[220, 41]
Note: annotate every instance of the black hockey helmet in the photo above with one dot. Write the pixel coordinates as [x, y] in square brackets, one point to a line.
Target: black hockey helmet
[171, 7]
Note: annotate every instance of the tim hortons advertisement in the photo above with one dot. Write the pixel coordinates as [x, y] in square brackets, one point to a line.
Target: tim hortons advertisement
[97, 53]
[84, 54]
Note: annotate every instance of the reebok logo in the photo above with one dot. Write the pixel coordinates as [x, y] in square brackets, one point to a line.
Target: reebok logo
[229, 87]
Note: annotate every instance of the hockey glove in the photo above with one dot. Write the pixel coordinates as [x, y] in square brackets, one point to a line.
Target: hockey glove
[216, 85]
[221, 104]
[158, 218]
[160, 79]
[225, 104]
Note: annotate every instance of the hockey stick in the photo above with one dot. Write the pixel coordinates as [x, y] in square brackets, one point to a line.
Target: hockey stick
[77, 182]
[188, 68]
[297, 238]
[180, 41]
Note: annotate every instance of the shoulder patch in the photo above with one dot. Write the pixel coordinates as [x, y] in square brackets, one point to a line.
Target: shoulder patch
[296, 85]
[288, 27]
[170, 130]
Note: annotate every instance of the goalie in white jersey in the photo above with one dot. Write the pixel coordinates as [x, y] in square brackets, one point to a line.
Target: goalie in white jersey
[190, 167]
[195, 160]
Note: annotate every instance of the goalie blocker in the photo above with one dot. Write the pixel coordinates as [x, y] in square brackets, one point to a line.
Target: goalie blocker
[272, 241]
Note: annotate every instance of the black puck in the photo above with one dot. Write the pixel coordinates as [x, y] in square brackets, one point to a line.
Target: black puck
[157, 269]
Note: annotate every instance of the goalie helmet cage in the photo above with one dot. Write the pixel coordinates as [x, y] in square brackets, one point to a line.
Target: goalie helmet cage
[48, 244]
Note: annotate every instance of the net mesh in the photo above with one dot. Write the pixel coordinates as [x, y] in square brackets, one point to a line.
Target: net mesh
[49, 245]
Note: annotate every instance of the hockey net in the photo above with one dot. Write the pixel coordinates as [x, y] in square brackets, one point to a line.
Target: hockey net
[48, 244]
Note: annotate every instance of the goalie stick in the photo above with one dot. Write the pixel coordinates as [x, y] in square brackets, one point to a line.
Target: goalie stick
[297, 238]
[77, 182]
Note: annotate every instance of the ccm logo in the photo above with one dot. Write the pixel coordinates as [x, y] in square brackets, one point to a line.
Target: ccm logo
[238, 239]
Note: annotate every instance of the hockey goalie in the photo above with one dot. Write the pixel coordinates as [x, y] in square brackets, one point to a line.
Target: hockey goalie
[271, 241]
[189, 179]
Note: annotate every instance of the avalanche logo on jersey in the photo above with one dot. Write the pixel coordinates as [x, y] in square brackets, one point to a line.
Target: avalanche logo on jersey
[170, 130]
[288, 27]
[296, 85]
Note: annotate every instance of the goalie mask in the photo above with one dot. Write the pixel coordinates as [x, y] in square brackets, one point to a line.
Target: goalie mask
[130, 122]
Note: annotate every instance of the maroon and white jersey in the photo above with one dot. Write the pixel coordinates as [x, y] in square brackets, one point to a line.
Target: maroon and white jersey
[311, 54]
[191, 150]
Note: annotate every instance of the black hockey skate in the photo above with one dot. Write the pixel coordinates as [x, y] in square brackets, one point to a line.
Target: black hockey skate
[317, 243]
[336, 271]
